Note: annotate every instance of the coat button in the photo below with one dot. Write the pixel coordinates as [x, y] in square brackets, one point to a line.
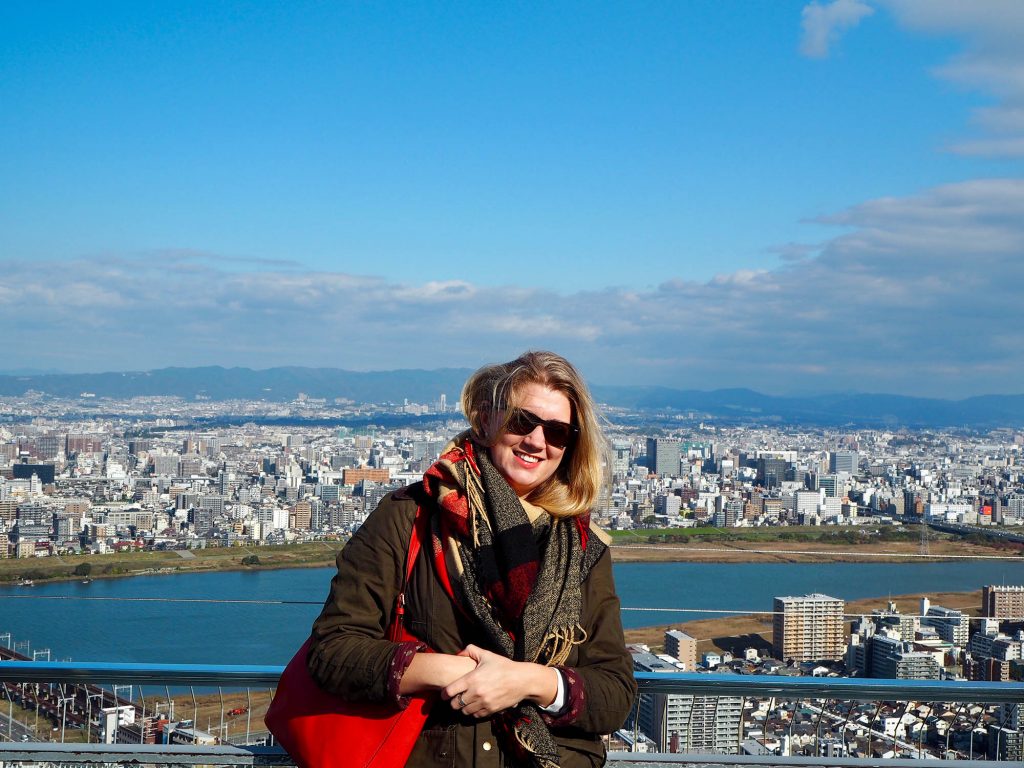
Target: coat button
[487, 746]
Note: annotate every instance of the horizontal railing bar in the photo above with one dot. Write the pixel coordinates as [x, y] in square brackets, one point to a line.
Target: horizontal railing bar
[139, 674]
[631, 759]
[685, 683]
[844, 688]
[180, 754]
[154, 754]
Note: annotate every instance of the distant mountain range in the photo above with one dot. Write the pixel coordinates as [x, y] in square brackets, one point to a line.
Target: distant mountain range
[739, 405]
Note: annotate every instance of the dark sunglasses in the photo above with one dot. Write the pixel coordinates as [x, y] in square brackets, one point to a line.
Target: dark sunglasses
[520, 421]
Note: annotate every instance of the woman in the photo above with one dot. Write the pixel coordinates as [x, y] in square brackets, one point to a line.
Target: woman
[513, 593]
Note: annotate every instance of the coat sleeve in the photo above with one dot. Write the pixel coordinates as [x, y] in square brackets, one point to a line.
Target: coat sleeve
[603, 664]
[349, 655]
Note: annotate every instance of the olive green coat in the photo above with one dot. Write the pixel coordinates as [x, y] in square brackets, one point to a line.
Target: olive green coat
[349, 656]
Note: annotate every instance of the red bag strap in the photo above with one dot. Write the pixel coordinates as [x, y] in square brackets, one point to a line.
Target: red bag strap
[396, 632]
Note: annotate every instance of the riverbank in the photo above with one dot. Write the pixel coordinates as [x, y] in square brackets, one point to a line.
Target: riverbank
[736, 633]
[805, 552]
[627, 547]
[317, 554]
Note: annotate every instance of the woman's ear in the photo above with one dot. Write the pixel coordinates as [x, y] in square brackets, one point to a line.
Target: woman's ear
[487, 423]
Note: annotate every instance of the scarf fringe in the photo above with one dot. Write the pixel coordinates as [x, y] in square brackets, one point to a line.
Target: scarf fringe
[538, 760]
[559, 643]
[475, 500]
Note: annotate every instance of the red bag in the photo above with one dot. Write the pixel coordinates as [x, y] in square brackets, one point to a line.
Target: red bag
[321, 730]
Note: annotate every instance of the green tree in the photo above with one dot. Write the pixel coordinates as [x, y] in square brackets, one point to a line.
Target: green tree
[83, 569]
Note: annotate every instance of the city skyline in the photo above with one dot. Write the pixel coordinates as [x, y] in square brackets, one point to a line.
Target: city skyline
[791, 197]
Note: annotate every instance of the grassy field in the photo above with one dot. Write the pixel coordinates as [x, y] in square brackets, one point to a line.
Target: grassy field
[789, 544]
[798, 544]
[318, 553]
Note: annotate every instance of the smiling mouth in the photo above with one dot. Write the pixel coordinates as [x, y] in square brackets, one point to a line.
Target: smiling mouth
[526, 458]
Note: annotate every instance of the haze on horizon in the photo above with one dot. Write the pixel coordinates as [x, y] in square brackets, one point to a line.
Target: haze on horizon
[791, 197]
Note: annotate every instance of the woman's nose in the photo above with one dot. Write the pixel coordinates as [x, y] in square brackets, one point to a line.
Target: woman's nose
[536, 437]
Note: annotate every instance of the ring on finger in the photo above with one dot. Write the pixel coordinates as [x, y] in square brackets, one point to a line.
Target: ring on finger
[462, 701]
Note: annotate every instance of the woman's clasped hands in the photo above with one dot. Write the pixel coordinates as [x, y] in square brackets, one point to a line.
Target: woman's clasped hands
[497, 683]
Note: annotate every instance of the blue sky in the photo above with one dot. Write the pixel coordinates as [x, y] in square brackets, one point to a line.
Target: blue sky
[783, 195]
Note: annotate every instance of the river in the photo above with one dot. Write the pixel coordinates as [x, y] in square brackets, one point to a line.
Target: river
[134, 622]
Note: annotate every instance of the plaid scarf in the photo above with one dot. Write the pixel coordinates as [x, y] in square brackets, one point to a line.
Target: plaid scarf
[524, 594]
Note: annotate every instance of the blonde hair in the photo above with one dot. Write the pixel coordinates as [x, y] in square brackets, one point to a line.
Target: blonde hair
[575, 486]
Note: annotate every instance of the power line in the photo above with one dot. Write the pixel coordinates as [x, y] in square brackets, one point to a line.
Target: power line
[910, 555]
[115, 599]
[624, 609]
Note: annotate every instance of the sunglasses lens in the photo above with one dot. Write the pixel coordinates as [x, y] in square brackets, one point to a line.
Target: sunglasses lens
[521, 422]
[556, 434]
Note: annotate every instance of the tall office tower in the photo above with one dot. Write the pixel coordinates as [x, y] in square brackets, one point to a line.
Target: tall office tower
[831, 485]
[663, 456]
[683, 647]
[844, 461]
[808, 628]
[620, 458]
[679, 723]
[771, 473]
[1002, 602]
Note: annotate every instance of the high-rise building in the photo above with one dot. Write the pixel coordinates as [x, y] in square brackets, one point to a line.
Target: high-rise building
[727, 511]
[951, 625]
[808, 628]
[678, 723]
[992, 655]
[300, 517]
[902, 624]
[683, 647]
[1002, 602]
[621, 450]
[667, 504]
[663, 456]
[832, 486]
[1006, 735]
[773, 472]
[844, 461]
[893, 658]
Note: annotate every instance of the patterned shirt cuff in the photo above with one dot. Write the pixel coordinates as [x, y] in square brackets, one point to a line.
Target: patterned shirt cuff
[404, 654]
[575, 698]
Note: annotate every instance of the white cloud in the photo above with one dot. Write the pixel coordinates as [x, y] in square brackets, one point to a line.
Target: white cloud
[918, 295]
[991, 61]
[823, 23]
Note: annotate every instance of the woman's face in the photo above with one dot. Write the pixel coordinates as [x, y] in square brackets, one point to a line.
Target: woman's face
[526, 461]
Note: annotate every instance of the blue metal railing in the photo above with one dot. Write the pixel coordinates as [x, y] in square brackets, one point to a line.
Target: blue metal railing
[708, 685]
[691, 683]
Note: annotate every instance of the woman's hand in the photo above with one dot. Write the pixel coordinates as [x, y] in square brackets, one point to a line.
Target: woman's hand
[498, 683]
[433, 671]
